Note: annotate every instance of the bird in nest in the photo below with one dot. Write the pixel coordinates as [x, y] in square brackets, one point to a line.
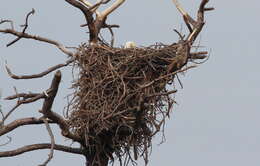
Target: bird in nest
[130, 44]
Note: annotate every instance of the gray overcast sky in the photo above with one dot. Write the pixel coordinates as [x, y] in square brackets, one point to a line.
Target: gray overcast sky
[216, 121]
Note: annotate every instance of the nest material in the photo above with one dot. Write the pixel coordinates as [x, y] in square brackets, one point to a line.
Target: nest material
[121, 100]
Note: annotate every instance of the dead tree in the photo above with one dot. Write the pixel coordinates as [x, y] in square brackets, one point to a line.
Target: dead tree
[120, 100]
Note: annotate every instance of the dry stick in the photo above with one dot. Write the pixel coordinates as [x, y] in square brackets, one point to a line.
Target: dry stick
[9, 140]
[23, 95]
[56, 118]
[21, 122]
[51, 69]
[38, 38]
[33, 147]
[198, 55]
[50, 156]
[162, 94]
[25, 101]
[165, 76]
[24, 29]
[10, 21]
[197, 24]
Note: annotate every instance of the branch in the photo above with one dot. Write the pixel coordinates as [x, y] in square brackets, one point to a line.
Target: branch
[24, 29]
[9, 21]
[198, 24]
[25, 101]
[23, 95]
[33, 147]
[51, 69]
[109, 10]
[20, 122]
[87, 13]
[38, 38]
[56, 118]
[50, 156]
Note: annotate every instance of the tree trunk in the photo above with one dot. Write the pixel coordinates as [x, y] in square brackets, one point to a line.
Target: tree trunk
[94, 159]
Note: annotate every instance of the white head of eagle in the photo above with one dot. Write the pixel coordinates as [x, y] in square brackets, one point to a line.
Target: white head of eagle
[130, 44]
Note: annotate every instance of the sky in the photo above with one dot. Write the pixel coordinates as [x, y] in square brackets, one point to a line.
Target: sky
[216, 121]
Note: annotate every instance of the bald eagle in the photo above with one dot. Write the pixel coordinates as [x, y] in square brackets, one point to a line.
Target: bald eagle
[130, 44]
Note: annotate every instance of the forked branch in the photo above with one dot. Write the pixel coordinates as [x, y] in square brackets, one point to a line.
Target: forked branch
[95, 25]
[195, 26]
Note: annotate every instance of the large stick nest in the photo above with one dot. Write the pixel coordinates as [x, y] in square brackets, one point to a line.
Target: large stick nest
[121, 100]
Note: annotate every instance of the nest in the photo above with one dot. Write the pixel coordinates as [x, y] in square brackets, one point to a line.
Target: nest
[120, 100]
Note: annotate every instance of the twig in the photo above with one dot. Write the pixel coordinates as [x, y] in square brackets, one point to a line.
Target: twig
[166, 76]
[10, 21]
[25, 101]
[50, 156]
[33, 147]
[23, 95]
[162, 94]
[24, 29]
[9, 140]
[49, 70]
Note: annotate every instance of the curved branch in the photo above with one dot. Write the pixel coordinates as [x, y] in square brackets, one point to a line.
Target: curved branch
[20, 122]
[38, 38]
[51, 69]
[33, 147]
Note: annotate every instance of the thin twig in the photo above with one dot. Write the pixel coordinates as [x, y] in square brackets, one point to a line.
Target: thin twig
[9, 140]
[166, 76]
[9, 21]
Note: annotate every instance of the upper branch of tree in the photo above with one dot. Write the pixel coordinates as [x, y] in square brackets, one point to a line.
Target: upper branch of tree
[33, 147]
[24, 29]
[195, 26]
[95, 25]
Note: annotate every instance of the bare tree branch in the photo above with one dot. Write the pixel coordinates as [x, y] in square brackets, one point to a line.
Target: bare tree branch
[33, 147]
[20, 122]
[109, 10]
[198, 24]
[24, 29]
[23, 95]
[50, 156]
[38, 38]
[47, 105]
[25, 101]
[51, 69]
